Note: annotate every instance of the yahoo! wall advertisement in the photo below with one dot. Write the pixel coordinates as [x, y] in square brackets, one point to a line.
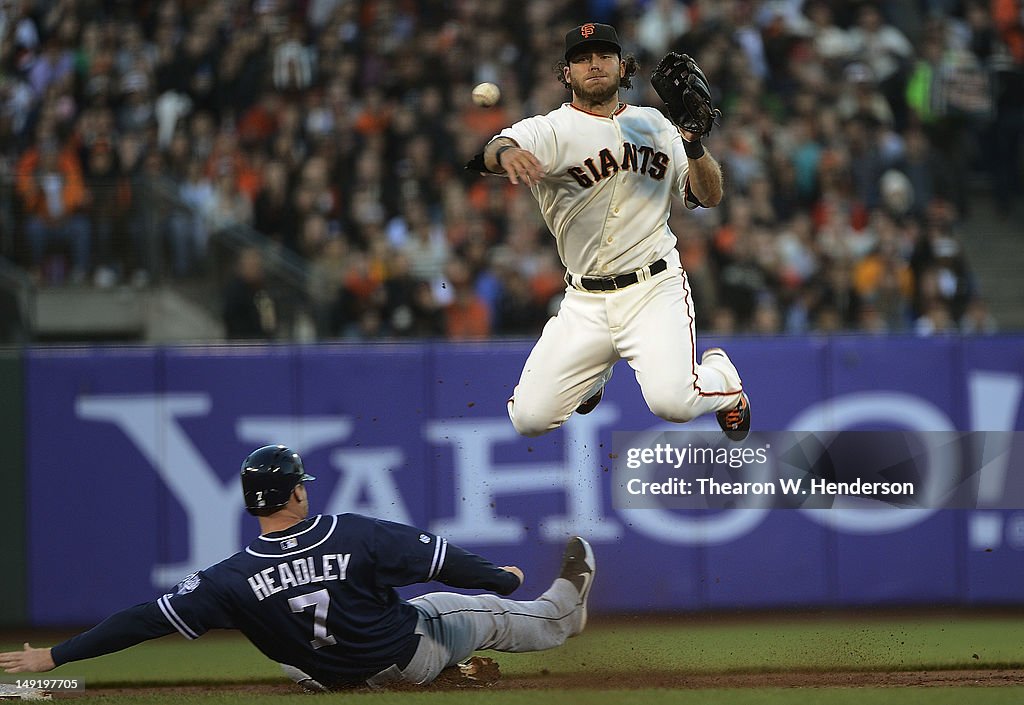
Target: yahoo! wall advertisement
[133, 454]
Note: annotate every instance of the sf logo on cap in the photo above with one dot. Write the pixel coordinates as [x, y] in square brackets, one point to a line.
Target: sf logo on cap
[587, 29]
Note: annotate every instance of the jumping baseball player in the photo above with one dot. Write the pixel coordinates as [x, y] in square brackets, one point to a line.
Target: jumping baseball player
[317, 595]
[603, 173]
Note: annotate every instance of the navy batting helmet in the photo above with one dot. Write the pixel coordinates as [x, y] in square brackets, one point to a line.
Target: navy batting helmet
[269, 475]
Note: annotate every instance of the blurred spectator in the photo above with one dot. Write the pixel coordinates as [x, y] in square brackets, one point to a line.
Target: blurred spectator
[548, 282]
[741, 277]
[723, 321]
[896, 193]
[940, 267]
[229, 205]
[872, 321]
[886, 50]
[50, 184]
[884, 282]
[660, 25]
[860, 97]
[766, 317]
[409, 307]
[356, 311]
[170, 107]
[425, 248]
[137, 110]
[273, 210]
[935, 320]
[516, 313]
[249, 311]
[315, 196]
[52, 65]
[798, 259]
[831, 42]
[188, 228]
[977, 320]
[109, 196]
[762, 204]
[326, 278]
[260, 122]
[294, 61]
[466, 316]
[838, 304]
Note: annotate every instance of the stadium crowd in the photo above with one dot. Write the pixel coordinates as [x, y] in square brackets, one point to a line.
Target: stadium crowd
[338, 129]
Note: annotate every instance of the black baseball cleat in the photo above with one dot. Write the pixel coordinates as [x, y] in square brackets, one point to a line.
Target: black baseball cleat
[590, 404]
[736, 421]
[578, 567]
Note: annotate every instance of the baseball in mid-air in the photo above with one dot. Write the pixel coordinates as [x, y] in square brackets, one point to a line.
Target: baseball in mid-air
[486, 94]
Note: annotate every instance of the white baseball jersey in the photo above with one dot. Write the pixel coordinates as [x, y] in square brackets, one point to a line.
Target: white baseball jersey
[609, 182]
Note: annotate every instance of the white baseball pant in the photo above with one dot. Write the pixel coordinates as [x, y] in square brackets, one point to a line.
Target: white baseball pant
[650, 325]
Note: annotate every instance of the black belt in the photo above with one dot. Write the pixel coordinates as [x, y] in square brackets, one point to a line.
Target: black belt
[619, 282]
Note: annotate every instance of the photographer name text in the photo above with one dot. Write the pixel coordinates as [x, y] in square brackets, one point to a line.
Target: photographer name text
[708, 486]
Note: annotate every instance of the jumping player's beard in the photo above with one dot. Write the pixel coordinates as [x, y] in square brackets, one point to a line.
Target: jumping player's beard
[599, 95]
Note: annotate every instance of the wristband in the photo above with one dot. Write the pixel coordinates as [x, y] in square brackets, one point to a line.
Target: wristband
[694, 150]
[502, 149]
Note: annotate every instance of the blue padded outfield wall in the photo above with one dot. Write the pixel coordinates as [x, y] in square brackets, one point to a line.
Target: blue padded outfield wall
[132, 458]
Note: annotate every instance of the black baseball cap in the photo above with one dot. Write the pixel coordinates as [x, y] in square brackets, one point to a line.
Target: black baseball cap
[591, 33]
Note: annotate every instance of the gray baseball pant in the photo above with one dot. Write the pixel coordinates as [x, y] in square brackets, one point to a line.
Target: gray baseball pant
[452, 627]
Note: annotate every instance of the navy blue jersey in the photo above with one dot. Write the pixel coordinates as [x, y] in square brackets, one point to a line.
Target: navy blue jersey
[319, 596]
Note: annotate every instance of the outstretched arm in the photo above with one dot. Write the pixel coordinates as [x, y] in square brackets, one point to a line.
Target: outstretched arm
[119, 631]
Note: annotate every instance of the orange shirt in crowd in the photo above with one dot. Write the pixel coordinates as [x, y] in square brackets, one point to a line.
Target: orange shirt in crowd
[467, 318]
[1007, 17]
[31, 191]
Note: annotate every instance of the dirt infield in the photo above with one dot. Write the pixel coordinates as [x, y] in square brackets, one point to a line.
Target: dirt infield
[632, 681]
[816, 679]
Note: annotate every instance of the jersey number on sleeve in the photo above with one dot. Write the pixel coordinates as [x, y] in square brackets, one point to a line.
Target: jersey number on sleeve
[320, 601]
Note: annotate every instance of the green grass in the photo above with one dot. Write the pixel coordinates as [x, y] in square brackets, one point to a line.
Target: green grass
[876, 644]
[683, 646]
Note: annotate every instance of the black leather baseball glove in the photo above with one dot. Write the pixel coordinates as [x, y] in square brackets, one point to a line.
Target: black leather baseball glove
[687, 93]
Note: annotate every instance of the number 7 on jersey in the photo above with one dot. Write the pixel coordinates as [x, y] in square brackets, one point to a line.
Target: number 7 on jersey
[321, 602]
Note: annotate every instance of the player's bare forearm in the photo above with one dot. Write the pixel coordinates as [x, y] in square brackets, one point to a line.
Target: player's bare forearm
[491, 152]
[706, 180]
[28, 660]
[503, 156]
